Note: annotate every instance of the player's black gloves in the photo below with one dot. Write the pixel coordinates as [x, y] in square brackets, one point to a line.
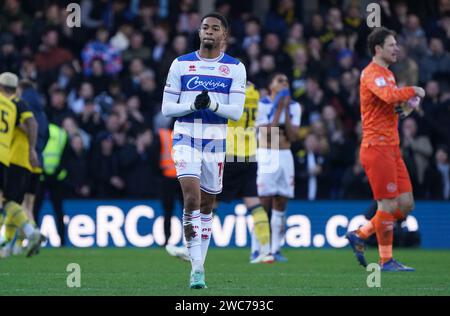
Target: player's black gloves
[202, 101]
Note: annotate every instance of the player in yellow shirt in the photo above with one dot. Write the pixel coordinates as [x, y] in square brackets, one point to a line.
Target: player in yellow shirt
[20, 144]
[240, 174]
[8, 120]
[13, 113]
[21, 172]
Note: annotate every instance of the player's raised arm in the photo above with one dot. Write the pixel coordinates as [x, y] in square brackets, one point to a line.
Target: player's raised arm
[171, 96]
[279, 99]
[378, 85]
[293, 121]
[279, 105]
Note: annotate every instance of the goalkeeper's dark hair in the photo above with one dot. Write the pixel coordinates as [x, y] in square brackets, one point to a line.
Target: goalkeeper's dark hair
[377, 37]
[218, 16]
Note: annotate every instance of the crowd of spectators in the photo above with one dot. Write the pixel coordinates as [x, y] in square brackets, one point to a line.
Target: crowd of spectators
[103, 82]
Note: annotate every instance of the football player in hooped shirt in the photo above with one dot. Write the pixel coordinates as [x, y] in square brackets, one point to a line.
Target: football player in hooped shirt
[203, 90]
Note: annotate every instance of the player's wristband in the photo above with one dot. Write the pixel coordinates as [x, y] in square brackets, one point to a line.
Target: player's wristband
[214, 109]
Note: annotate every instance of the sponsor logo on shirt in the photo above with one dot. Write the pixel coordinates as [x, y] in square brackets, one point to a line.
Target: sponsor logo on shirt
[209, 84]
[192, 68]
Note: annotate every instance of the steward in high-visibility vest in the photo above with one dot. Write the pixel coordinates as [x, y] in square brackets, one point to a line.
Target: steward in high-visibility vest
[170, 187]
[166, 160]
[53, 152]
[53, 156]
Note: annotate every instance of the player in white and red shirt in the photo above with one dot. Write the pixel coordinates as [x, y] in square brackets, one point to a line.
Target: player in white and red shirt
[203, 90]
[278, 121]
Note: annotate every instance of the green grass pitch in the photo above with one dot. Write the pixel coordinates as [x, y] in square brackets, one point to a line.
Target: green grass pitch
[152, 272]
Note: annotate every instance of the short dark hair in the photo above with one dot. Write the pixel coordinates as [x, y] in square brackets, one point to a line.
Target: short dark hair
[50, 29]
[377, 37]
[273, 76]
[218, 16]
[253, 19]
[58, 90]
[442, 147]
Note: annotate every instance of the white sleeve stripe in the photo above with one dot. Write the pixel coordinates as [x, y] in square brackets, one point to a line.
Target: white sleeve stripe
[237, 91]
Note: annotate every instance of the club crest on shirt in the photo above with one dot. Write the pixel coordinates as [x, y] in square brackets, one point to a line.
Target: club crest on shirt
[192, 68]
[224, 69]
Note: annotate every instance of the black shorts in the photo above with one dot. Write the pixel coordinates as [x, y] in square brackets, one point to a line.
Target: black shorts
[33, 184]
[239, 181]
[2, 176]
[17, 182]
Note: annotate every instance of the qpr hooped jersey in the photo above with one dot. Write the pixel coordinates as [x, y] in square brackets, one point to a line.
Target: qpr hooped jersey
[191, 74]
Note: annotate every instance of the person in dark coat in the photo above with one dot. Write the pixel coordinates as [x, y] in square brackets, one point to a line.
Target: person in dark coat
[437, 176]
